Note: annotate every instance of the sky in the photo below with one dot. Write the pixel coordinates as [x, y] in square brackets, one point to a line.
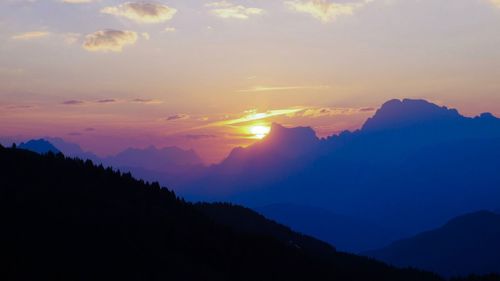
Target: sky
[212, 75]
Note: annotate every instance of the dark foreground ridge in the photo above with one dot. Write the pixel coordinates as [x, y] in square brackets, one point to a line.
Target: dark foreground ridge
[66, 219]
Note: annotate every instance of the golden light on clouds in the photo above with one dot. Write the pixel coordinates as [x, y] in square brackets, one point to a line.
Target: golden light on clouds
[109, 40]
[31, 35]
[254, 116]
[142, 12]
[325, 10]
[227, 10]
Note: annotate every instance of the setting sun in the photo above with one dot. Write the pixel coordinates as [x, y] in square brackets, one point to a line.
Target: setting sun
[260, 131]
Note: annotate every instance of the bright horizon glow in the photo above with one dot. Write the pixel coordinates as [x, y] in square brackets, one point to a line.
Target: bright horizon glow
[260, 131]
[113, 74]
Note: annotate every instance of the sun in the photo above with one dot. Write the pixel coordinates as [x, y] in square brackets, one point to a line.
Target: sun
[259, 131]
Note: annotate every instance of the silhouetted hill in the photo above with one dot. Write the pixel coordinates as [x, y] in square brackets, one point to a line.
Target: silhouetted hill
[67, 219]
[346, 233]
[465, 245]
[246, 220]
[39, 146]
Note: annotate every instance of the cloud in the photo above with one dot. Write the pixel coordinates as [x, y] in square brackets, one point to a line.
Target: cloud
[106, 101]
[109, 40]
[200, 137]
[177, 117]
[31, 35]
[142, 12]
[146, 101]
[325, 10]
[169, 29]
[73, 102]
[367, 109]
[282, 88]
[334, 111]
[227, 10]
[254, 115]
[19, 106]
[89, 129]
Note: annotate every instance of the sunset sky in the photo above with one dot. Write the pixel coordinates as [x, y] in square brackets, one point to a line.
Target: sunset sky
[212, 75]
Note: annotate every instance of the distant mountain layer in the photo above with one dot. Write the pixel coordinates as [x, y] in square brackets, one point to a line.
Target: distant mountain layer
[40, 146]
[70, 220]
[465, 245]
[168, 165]
[409, 168]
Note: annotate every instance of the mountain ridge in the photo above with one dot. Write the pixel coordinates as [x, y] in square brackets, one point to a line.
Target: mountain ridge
[467, 244]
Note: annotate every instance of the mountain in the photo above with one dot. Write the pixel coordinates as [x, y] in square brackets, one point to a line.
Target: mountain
[72, 149]
[396, 114]
[168, 165]
[154, 159]
[39, 146]
[346, 233]
[465, 245]
[409, 168]
[71, 220]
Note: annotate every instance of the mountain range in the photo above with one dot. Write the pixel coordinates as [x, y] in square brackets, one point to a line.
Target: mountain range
[411, 167]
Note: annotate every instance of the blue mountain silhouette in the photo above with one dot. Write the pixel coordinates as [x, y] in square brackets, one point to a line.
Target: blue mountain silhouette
[39, 146]
[410, 167]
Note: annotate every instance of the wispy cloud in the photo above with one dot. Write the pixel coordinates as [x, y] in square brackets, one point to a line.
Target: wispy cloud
[334, 111]
[325, 10]
[109, 40]
[177, 117]
[73, 102]
[227, 10]
[146, 101]
[31, 35]
[107, 101]
[199, 136]
[142, 12]
[169, 29]
[282, 88]
[254, 115]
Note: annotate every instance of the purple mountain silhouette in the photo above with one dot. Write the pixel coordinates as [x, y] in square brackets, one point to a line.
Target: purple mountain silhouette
[154, 159]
